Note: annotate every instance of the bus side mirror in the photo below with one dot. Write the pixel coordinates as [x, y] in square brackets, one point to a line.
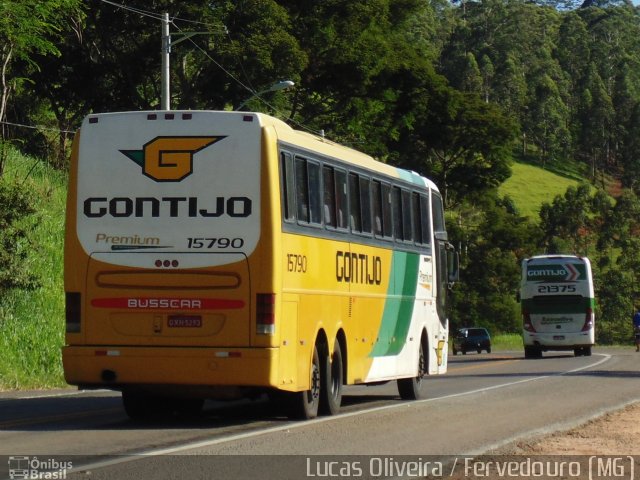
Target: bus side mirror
[453, 265]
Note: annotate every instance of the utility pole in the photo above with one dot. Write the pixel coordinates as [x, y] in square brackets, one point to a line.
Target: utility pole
[165, 96]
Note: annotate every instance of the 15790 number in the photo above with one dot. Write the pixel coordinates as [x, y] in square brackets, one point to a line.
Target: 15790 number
[209, 242]
[296, 263]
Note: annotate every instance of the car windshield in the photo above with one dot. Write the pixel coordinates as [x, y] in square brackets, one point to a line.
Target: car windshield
[477, 332]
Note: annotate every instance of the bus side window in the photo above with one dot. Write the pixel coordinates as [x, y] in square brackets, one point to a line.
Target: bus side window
[425, 224]
[365, 204]
[438, 212]
[315, 198]
[341, 198]
[354, 203]
[407, 234]
[417, 218]
[387, 222]
[329, 196]
[396, 205]
[302, 190]
[376, 196]
[288, 189]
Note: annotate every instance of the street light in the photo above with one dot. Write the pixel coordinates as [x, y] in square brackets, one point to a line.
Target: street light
[281, 85]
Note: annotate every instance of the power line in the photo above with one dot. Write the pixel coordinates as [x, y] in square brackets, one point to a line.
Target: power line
[206, 54]
[160, 17]
[154, 15]
[37, 127]
[144, 13]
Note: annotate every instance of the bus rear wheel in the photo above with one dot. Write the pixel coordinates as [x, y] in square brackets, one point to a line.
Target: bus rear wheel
[532, 352]
[580, 351]
[331, 386]
[410, 388]
[304, 405]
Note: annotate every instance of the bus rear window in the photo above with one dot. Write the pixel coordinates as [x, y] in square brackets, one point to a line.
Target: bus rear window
[551, 300]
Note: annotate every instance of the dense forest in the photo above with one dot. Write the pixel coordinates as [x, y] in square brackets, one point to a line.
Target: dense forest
[455, 91]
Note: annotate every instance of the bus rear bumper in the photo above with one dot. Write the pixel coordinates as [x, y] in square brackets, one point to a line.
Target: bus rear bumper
[201, 369]
[559, 341]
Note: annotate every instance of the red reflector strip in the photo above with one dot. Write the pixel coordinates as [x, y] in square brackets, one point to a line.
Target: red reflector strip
[107, 353]
[228, 354]
[146, 303]
[265, 313]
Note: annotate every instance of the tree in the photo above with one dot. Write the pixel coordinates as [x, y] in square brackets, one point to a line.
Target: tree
[596, 118]
[491, 251]
[566, 222]
[15, 207]
[547, 117]
[460, 141]
[28, 28]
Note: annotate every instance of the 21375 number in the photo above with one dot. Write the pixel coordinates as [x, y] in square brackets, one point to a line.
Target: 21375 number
[557, 289]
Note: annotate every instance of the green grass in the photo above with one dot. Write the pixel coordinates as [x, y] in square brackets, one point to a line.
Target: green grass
[507, 341]
[530, 186]
[32, 322]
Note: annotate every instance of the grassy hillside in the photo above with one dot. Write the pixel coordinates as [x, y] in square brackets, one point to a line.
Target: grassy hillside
[32, 322]
[530, 186]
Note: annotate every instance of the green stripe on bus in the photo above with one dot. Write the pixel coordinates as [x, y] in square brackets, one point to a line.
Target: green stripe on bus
[398, 309]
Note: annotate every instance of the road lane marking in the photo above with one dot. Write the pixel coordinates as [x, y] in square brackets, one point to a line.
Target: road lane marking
[480, 365]
[61, 394]
[241, 436]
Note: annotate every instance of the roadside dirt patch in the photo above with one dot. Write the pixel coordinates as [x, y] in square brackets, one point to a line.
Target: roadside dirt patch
[615, 433]
[602, 448]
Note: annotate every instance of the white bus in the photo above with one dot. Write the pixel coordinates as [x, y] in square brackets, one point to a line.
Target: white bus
[557, 303]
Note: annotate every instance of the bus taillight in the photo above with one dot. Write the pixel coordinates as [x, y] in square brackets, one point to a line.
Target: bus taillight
[265, 313]
[526, 320]
[588, 320]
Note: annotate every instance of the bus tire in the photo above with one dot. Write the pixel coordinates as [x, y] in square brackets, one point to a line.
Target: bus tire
[189, 407]
[139, 406]
[532, 352]
[331, 386]
[410, 388]
[304, 405]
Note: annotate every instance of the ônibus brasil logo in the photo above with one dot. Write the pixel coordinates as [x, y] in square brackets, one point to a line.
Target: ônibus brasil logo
[568, 272]
[169, 159]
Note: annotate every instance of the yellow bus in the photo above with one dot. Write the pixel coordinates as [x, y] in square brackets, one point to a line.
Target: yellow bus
[224, 255]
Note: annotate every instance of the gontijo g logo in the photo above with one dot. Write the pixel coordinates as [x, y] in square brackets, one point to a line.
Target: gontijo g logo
[169, 159]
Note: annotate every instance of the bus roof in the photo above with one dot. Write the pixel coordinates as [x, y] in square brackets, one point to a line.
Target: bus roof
[288, 134]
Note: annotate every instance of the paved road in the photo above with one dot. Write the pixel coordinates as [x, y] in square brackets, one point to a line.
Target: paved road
[483, 402]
